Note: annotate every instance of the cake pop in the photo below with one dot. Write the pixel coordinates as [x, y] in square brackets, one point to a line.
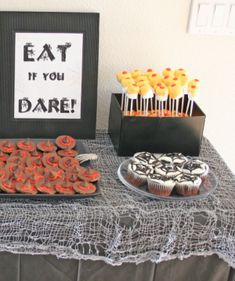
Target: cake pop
[146, 93]
[192, 93]
[132, 94]
[161, 95]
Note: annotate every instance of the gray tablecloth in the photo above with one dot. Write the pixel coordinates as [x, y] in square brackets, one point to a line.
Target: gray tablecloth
[120, 226]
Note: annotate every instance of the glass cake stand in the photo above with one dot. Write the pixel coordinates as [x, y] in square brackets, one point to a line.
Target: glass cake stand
[208, 186]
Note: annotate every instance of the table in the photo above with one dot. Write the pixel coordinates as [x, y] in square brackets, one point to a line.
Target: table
[123, 228]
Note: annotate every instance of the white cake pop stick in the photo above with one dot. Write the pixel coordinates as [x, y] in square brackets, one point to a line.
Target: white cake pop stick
[146, 107]
[141, 105]
[155, 104]
[131, 109]
[191, 108]
[187, 108]
[182, 105]
[177, 106]
[173, 107]
[151, 104]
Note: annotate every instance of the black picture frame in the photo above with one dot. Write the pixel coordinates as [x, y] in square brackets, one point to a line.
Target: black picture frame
[52, 22]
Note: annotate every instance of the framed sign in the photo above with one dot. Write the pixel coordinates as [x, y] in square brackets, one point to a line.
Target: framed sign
[48, 74]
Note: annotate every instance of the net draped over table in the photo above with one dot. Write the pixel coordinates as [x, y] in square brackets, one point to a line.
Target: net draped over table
[120, 225]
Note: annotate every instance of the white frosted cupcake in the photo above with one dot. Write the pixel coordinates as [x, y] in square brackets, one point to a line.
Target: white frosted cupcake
[196, 167]
[145, 158]
[187, 185]
[160, 185]
[173, 158]
[167, 170]
[137, 173]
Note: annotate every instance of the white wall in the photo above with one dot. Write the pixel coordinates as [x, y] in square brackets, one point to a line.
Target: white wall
[152, 33]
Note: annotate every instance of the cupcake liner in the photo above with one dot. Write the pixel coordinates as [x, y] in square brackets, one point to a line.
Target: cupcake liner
[136, 179]
[160, 188]
[187, 190]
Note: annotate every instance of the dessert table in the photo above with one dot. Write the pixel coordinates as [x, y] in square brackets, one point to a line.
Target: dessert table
[120, 234]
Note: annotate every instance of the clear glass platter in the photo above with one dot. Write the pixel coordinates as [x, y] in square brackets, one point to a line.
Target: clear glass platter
[207, 186]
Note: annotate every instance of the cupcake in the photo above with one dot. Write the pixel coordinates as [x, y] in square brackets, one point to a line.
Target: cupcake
[173, 158]
[137, 173]
[160, 185]
[187, 185]
[196, 168]
[146, 158]
[168, 170]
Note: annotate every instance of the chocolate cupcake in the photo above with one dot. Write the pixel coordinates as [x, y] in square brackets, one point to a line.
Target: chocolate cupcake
[187, 185]
[196, 167]
[168, 170]
[146, 158]
[137, 173]
[160, 185]
[175, 158]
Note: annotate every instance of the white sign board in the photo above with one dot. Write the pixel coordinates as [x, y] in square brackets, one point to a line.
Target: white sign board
[48, 75]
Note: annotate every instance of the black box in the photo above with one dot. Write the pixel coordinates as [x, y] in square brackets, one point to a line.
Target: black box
[131, 134]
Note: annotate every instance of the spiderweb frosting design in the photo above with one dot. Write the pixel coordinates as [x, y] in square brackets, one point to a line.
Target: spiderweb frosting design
[122, 226]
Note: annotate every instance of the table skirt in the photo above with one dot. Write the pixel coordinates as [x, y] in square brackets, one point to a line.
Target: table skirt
[19, 267]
